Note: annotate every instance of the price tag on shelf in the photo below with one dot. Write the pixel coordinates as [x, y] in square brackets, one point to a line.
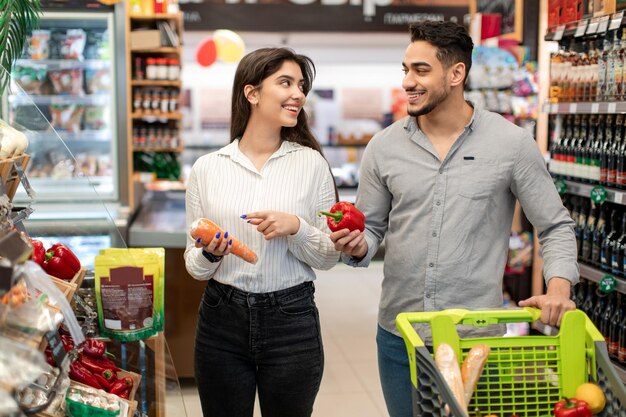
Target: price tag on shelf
[573, 107]
[554, 108]
[595, 107]
[581, 28]
[598, 194]
[593, 26]
[611, 108]
[603, 25]
[558, 34]
[616, 20]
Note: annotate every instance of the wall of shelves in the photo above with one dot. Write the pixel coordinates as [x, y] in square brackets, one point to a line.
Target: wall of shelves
[153, 75]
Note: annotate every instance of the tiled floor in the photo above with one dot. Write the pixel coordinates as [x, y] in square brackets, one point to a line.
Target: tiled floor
[347, 299]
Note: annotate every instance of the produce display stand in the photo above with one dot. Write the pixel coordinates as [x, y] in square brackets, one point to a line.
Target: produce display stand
[523, 375]
[11, 170]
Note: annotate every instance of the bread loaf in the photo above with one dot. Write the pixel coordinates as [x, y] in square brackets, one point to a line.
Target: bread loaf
[472, 368]
[448, 365]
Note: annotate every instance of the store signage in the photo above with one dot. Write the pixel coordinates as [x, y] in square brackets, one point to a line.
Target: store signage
[317, 15]
[607, 284]
[598, 194]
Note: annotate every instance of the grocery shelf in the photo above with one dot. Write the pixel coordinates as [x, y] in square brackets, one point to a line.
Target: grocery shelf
[157, 149]
[157, 83]
[586, 27]
[65, 63]
[595, 275]
[103, 135]
[86, 100]
[174, 116]
[164, 50]
[158, 16]
[596, 107]
[613, 195]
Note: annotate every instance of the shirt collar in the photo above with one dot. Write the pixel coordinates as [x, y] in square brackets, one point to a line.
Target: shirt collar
[232, 149]
[411, 126]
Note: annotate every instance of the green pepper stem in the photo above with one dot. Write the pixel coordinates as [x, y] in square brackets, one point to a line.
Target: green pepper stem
[336, 216]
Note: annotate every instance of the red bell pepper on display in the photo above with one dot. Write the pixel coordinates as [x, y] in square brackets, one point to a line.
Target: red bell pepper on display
[122, 385]
[94, 348]
[571, 407]
[39, 251]
[81, 374]
[61, 262]
[344, 216]
[97, 368]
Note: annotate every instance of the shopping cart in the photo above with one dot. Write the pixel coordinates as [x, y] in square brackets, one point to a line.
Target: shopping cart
[523, 375]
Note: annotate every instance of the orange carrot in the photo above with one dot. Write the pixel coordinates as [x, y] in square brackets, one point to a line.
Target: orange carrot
[206, 230]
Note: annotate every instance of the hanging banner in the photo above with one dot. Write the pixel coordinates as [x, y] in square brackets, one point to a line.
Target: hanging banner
[318, 15]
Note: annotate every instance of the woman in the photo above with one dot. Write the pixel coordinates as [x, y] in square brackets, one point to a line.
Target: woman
[259, 327]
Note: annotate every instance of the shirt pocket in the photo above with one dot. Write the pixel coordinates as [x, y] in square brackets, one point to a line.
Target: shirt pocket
[478, 178]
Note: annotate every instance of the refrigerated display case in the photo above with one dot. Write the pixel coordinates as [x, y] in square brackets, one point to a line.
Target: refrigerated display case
[68, 75]
[87, 225]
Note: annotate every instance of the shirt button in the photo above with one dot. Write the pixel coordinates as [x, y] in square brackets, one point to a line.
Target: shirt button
[431, 264]
[438, 203]
[441, 171]
[434, 234]
[427, 295]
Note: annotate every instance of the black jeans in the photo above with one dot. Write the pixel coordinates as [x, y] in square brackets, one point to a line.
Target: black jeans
[249, 341]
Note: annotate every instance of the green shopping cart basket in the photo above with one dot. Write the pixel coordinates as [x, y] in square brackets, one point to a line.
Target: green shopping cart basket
[523, 375]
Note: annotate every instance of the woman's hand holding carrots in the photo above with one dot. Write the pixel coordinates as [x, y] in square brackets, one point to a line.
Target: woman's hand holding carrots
[217, 241]
[273, 223]
[220, 245]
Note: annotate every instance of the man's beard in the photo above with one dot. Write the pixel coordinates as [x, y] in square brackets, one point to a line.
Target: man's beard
[429, 106]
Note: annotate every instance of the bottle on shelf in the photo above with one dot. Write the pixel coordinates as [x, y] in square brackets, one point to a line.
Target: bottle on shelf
[603, 58]
[605, 149]
[607, 315]
[587, 233]
[614, 151]
[596, 148]
[598, 309]
[606, 248]
[621, 157]
[583, 218]
[614, 330]
[556, 72]
[590, 299]
[621, 348]
[599, 234]
[614, 246]
[592, 70]
[611, 85]
[575, 213]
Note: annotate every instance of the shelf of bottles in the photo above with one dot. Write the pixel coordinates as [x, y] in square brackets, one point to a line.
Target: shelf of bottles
[601, 239]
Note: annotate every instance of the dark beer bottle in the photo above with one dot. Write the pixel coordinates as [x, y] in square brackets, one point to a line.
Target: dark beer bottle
[616, 320]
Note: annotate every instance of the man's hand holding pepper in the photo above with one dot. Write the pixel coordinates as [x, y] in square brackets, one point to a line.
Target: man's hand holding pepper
[351, 243]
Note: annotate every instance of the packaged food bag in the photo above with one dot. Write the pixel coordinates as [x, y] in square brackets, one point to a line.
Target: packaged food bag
[129, 292]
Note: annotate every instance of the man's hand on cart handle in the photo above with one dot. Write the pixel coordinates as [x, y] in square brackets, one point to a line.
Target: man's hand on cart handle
[554, 303]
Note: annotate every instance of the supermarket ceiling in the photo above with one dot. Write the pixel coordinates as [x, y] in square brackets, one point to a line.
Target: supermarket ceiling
[317, 15]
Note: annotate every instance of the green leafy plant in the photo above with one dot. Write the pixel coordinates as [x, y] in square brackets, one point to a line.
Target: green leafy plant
[17, 19]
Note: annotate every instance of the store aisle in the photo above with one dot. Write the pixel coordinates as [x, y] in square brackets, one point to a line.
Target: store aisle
[347, 299]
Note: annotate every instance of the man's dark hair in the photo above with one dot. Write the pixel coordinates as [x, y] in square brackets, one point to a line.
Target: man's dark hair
[451, 40]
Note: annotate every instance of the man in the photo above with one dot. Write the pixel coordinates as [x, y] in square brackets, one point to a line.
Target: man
[440, 186]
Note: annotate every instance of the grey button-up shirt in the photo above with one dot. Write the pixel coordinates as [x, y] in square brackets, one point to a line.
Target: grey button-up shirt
[446, 224]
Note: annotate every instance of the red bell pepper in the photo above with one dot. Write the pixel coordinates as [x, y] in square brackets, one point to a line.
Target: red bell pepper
[61, 262]
[571, 407]
[344, 216]
[121, 385]
[81, 374]
[39, 251]
[97, 368]
[94, 348]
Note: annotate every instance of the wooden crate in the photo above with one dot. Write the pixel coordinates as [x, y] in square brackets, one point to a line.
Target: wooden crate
[9, 177]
